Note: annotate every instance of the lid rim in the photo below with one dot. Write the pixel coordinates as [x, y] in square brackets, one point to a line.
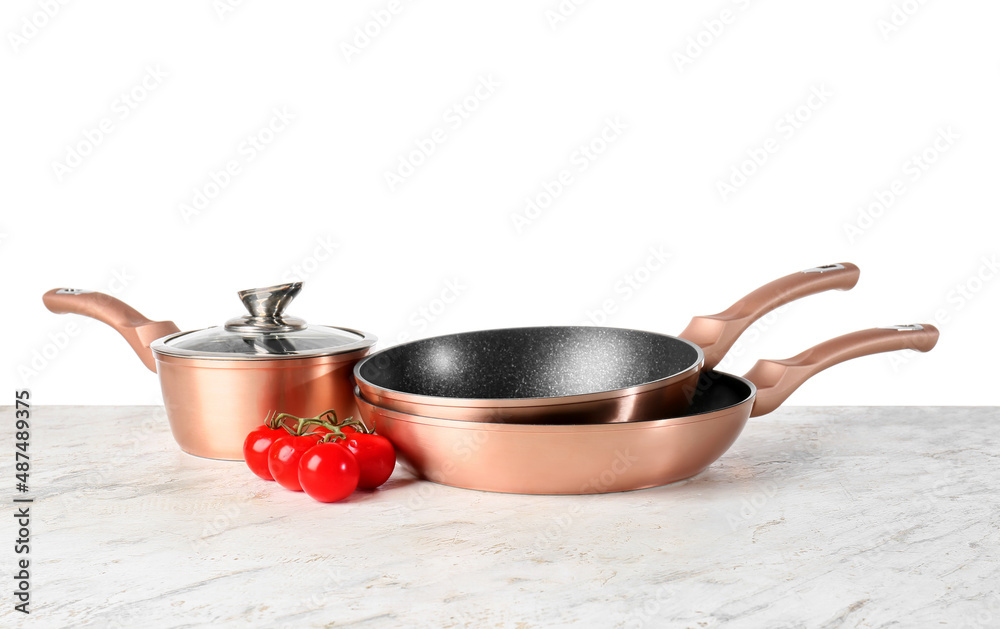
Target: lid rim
[161, 346]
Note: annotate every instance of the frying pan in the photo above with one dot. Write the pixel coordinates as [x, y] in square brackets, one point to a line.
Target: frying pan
[572, 374]
[601, 458]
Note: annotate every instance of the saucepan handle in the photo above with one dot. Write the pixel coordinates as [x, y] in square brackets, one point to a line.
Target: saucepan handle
[715, 334]
[137, 329]
[777, 379]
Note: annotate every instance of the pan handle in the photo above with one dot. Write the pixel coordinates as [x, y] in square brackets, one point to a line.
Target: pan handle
[777, 379]
[715, 334]
[137, 329]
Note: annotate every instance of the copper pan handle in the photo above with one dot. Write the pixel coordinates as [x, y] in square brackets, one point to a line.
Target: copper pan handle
[137, 329]
[715, 334]
[777, 379]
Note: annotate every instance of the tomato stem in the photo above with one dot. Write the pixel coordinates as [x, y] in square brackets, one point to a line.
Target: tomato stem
[326, 419]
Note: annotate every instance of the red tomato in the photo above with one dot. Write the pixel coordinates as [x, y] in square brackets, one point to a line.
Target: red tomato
[255, 448]
[348, 429]
[283, 459]
[375, 455]
[328, 472]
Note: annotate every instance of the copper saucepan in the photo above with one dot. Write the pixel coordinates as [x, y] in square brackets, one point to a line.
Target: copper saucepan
[600, 458]
[572, 374]
[219, 383]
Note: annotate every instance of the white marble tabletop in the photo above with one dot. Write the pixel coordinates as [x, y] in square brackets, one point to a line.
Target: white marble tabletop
[817, 517]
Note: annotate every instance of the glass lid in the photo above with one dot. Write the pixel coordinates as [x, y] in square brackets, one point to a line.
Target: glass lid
[266, 332]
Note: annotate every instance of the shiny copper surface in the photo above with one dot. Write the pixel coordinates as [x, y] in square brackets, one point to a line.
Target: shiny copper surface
[212, 404]
[660, 399]
[713, 334]
[139, 331]
[777, 379]
[601, 458]
[560, 459]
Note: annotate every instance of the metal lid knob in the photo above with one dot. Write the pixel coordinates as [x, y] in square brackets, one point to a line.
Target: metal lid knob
[266, 307]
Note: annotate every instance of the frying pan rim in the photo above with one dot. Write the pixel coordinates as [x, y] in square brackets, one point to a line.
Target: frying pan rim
[437, 400]
[643, 424]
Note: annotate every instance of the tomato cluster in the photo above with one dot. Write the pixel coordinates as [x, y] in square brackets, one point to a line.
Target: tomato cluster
[325, 458]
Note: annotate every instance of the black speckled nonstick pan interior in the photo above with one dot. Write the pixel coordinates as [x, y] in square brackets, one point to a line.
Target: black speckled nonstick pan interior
[587, 459]
[572, 374]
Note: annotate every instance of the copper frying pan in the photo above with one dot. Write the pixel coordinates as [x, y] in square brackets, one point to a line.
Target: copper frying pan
[572, 374]
[601, 458]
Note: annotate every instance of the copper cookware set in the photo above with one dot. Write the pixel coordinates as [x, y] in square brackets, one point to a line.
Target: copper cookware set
[566, 374]
[600, 458]
[544, 410]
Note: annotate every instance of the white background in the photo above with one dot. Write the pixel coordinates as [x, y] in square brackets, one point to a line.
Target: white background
[358, 113]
